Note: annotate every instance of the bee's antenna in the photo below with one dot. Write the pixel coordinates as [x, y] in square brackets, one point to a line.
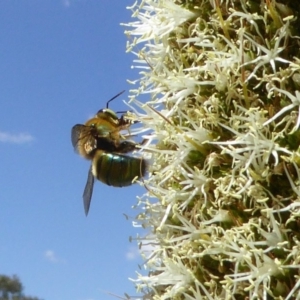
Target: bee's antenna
[114, 98]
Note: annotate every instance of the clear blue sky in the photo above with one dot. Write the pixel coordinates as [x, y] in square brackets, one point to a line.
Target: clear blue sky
[60, 61]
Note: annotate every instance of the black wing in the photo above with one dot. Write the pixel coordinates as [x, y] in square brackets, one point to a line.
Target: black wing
[75, 134]
[88, 191]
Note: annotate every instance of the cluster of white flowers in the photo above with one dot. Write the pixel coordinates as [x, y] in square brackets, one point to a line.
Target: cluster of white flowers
[222, 209]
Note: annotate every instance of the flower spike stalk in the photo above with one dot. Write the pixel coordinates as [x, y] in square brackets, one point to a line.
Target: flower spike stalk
[221, 79]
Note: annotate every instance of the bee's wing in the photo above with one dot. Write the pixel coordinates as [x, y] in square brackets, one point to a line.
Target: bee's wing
[75, 134]
[88, 191]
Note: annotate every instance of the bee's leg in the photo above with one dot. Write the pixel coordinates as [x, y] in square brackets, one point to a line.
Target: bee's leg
[126, 146]
[106, 144]
[125, 120]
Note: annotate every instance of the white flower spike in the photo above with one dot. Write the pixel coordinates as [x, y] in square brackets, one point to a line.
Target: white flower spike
[222, 208]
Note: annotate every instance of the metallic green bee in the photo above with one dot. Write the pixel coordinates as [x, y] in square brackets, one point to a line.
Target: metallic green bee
[100, 140]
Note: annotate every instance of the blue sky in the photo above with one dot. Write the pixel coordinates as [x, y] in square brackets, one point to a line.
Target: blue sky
[60, 61]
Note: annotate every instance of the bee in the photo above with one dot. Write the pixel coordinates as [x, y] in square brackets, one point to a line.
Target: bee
[100, 141]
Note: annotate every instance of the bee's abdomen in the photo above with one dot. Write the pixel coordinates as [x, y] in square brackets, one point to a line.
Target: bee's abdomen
[116, 169]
